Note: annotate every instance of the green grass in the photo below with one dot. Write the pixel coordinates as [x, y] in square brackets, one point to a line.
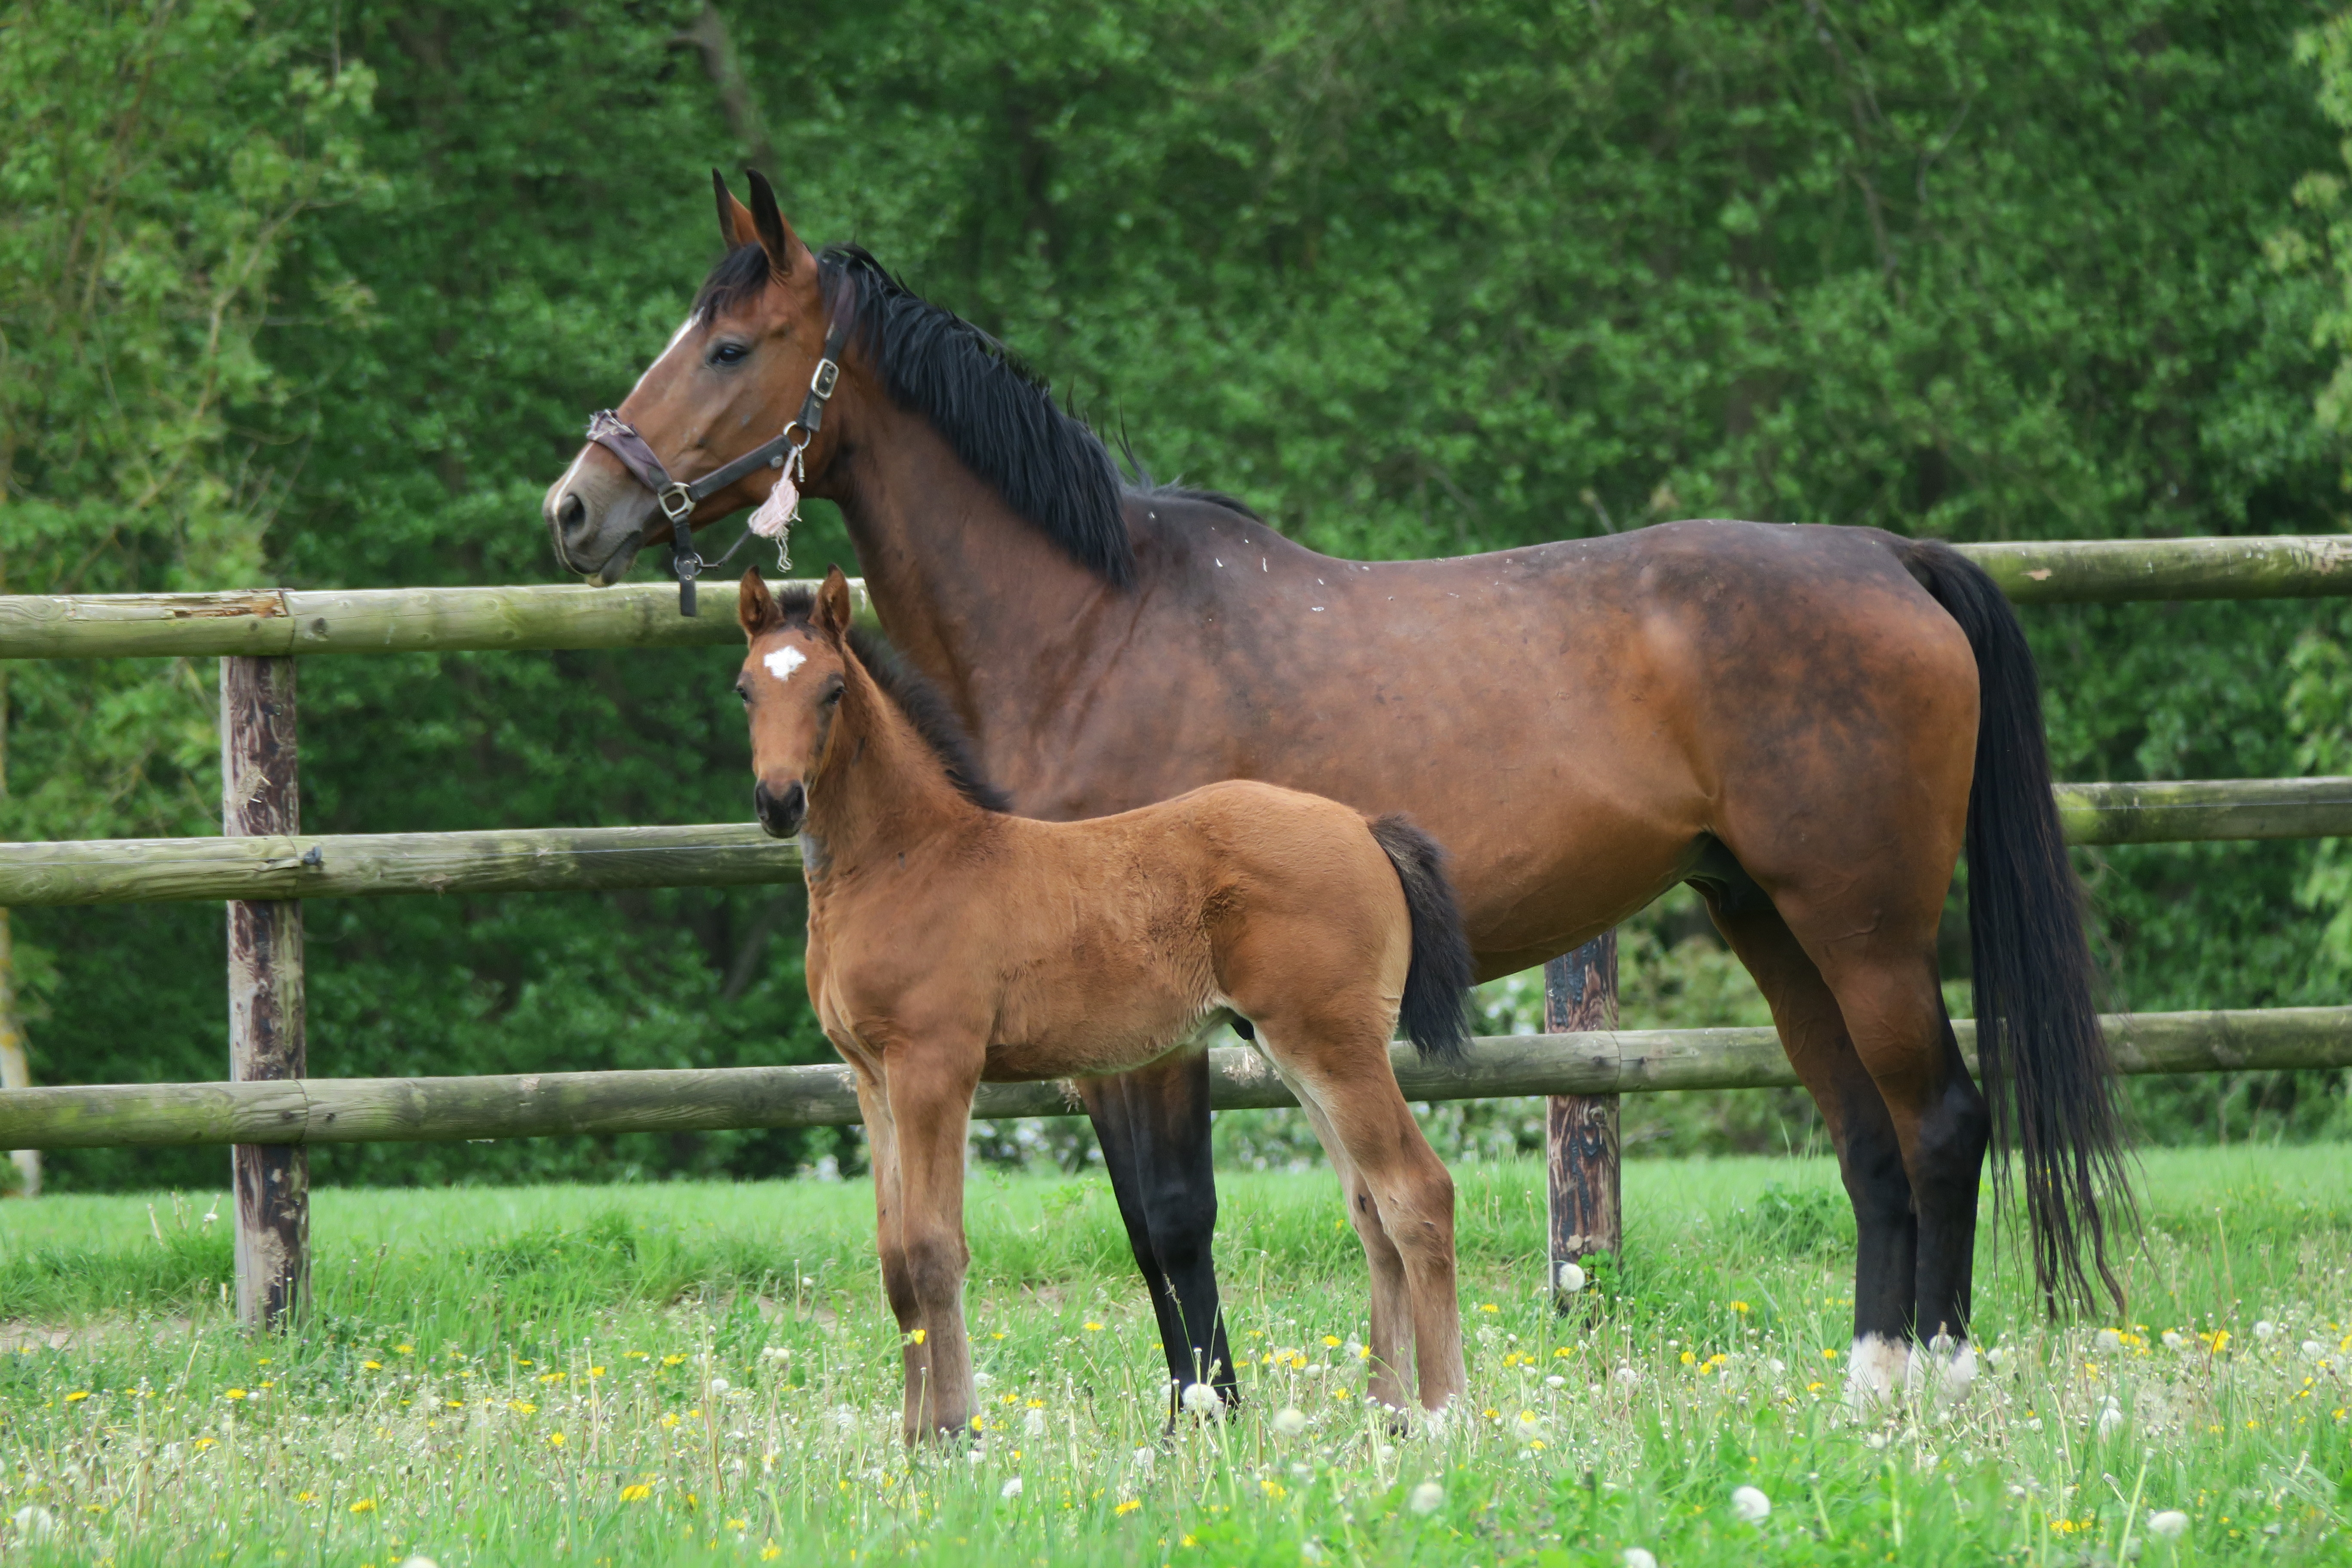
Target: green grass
[445, 1399]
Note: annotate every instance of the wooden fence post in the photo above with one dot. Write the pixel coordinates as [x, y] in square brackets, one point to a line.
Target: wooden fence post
[259, 796]
[1580, 1130]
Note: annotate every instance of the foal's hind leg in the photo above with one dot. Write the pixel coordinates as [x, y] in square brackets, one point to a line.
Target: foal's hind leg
[1389, 1344]
[1342, 1070]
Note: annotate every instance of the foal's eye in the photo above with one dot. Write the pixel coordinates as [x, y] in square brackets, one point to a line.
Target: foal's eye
[743, 690]
[729, 353]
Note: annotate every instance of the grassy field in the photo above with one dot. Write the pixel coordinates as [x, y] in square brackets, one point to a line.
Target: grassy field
[706, 1372]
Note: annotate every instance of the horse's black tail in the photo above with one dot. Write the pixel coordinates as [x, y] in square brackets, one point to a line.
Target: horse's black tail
[2040, 1053]
[1436, 1010]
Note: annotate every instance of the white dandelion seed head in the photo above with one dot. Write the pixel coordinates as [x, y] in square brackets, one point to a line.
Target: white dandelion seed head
[2265, 1330]
[1009, 1489]
[1626, 1377]
[981, 1380]
[1777, 1364]
[1876, 1440]
[1144, 1458]
[1637, 1557]
[1200, 1399]
[418, 1562]
[2109, 1339]
[2169, 1525]
[1750, 1506]
[2111, 1420]
[35, 1522]
[1555, 1381]
[1571, 1279]
[1426, 1497]
[1032, 1425]
[774, 1352]
[2173, 1340]
[1290, 1421]
[720, 1386]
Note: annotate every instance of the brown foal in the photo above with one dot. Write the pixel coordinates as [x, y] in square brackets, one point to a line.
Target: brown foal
[950, 942]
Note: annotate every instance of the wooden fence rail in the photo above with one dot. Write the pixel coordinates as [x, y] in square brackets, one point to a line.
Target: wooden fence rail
[645, 615]
[735, 854]
[541, 1105]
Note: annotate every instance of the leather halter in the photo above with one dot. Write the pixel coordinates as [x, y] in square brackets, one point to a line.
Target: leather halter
[678, 497]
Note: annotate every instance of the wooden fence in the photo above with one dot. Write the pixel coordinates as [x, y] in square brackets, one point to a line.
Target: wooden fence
[263, 866]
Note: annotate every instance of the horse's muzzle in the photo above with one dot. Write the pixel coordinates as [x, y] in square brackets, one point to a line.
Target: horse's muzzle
[781, 814]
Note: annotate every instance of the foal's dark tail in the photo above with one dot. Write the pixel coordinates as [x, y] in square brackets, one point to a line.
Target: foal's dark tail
[2043, 1062]
[1437, 1011]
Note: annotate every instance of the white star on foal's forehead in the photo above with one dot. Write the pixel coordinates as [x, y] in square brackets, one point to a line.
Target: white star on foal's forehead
[783, 661]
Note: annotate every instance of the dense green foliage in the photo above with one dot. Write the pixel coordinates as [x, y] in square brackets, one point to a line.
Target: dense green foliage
[1410, 279]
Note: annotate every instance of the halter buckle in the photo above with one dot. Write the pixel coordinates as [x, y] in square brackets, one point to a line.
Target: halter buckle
[676, 501]
[826, 374]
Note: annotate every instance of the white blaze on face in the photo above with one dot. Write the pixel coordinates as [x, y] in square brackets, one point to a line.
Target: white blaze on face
[783, 661]
[675, 339]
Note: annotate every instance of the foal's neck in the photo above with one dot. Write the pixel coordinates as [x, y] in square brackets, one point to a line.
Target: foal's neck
[881, 791]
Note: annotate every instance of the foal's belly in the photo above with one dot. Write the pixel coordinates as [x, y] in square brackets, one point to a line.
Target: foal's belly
[1104, 1030]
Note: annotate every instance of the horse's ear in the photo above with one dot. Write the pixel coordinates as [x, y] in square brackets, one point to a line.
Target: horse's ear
[785, 251]
[735, 227]
[755, 607]
[833, 606]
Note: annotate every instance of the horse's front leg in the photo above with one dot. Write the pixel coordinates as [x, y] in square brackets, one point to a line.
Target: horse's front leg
[1153, 1126]
[930, 1091]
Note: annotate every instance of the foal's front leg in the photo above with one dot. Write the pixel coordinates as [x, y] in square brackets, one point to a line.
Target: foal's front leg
[931, 1093]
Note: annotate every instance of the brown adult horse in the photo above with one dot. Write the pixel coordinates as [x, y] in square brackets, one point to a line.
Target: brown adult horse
[950, 942]
[1805, 723]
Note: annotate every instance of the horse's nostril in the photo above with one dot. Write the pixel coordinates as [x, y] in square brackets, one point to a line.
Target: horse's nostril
[570, 512]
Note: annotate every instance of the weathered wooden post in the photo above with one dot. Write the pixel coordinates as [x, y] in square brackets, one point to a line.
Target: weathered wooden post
[258, 796]
[1580, 1130]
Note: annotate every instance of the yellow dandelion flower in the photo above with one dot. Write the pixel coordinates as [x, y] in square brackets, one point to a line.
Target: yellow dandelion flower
[673, 1361]
[1829, 1355]
[306, 1497]
[1332, 1339]
[77, 1396]
[204, 1443]
[234, 1394]
[521, 1406]
[1688, 1358]
[405, 1349]
[1275, 1489]
[1093, 1327]
[370, 1366]
[1129, 1506]
[595, 1372]
[669, 1419]
[1559, 1354]
[739, 1524]
[551, 1377]
[636, 1493]
[636, 1355]
[919, 1335]
[770, 1551]
[1340, 1394]
[555, 1439]
[1488, 1307]
[365, 1505]
[1740, 1306]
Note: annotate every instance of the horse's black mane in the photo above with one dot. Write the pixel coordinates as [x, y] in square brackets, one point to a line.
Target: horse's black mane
[904, 689]
[996, 412]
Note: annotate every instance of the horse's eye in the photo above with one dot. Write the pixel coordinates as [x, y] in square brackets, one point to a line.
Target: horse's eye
[729, 353]
[744, 693]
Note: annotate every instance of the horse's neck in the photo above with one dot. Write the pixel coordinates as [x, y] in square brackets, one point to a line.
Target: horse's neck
[972, 593]
[883, 790]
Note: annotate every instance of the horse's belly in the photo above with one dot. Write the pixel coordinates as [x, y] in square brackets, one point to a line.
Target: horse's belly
[1103, 1031]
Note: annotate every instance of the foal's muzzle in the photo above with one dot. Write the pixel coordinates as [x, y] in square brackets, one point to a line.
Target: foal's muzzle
[781, 814]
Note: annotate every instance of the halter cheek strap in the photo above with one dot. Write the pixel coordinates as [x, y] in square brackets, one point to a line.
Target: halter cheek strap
[678, 497]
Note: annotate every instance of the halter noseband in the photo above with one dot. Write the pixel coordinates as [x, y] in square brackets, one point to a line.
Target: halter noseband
[678, 497]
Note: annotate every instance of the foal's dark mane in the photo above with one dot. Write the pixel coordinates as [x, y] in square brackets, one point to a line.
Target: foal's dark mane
[925, 709]
[993, 408]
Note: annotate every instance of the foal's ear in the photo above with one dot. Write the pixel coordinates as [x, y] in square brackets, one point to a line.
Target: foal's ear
[785, 252]
[736, 226]
[833, 606]
[755, 607]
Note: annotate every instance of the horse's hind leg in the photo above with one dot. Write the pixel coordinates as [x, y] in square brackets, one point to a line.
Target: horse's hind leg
[1862, 1014]
[1870, 1156]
